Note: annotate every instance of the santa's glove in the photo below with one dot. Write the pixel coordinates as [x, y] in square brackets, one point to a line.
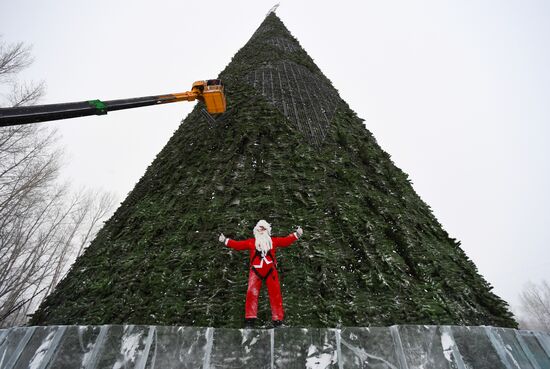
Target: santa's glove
[299, 232]
[221, 238]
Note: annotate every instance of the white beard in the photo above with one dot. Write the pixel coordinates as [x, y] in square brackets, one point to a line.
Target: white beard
[263, 242]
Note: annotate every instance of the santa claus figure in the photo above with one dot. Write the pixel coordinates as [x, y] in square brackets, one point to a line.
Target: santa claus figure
[263, 268]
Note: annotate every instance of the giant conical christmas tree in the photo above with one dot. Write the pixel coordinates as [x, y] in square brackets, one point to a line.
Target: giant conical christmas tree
[291, 151]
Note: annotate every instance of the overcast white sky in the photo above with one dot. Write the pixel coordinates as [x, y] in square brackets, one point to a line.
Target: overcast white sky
[457, 92]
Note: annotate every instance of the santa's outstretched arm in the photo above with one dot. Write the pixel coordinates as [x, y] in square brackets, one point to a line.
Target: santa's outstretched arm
[288, 240]
[237, 245]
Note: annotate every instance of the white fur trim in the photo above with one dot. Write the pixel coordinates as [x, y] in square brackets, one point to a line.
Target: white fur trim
[259, 266]
[226, 241]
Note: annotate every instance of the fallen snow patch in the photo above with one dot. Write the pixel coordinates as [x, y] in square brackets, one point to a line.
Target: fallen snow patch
[447, 343]
[319, 360]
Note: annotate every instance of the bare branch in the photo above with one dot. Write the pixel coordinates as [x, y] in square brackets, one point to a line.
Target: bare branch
[14, 58]
[23, 94]
[535, 300]
[18, 306]
[98, 210]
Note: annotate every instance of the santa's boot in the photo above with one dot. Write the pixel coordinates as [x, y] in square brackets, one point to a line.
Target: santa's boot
[249, 322]
[278, 323]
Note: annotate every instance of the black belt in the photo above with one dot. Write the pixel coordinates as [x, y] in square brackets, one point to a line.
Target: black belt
[259, 255]
[260, 276]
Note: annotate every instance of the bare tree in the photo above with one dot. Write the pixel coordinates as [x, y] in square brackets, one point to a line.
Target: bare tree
[97, 206]
[44, 226]
[14, 58]
[535, 307]
[26, 93]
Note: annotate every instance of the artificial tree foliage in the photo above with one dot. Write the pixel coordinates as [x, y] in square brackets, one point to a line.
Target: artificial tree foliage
[291, 151]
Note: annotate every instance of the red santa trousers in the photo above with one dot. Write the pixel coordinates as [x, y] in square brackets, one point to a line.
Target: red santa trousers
[272, 280]
[274, 291]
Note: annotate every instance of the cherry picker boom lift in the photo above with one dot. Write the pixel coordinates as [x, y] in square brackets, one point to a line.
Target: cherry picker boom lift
[210, 92]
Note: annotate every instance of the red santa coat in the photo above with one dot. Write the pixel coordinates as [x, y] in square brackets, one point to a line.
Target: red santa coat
[263, 269]
[250, 244]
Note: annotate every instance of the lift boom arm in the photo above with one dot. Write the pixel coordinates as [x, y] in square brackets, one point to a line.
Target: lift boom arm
[211, 92]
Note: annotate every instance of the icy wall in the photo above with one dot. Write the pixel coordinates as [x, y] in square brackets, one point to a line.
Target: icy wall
[396, 347]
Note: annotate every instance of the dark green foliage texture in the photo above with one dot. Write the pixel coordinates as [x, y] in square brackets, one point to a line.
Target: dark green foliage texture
[372, 251]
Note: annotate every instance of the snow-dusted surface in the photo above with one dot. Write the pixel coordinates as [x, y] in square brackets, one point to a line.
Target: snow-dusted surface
[447, 344]
[41, 351]
[150, 347]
